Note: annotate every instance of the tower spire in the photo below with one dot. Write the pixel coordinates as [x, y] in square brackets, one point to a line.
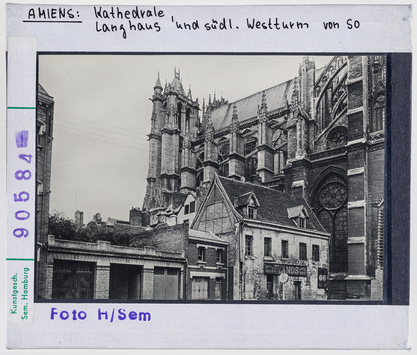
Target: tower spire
[158, 82]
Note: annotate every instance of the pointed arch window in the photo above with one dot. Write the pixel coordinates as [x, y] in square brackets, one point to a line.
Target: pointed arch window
[279, 140]
[330, 205]
[179, 115]
[224, 149]
[200, 159]
[187, 120]
[250, 145]
[224, 169]
[200, 178]
[251, 166]
[377, 119]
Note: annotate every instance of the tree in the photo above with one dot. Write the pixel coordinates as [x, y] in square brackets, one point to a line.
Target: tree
[61, 226]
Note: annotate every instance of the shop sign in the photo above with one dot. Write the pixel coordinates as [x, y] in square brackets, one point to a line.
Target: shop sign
[322, 277]
[290, 270]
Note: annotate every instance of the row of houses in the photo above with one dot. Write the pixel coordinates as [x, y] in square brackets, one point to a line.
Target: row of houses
[246, 242]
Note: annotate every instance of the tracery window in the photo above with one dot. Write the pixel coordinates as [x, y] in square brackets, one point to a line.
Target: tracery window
[377, 118]
[224, 169]
[200, 159]
[224, 149]
[179, 115]
[187, 120]
[337, 137]
[200, 178]
[279, 137]
[251, 166]
[333, 195]
[250, 145]
[330, 204]
[280, 160]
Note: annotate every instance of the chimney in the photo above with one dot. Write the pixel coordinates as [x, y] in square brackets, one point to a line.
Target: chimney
[135, 216]
[79, 219]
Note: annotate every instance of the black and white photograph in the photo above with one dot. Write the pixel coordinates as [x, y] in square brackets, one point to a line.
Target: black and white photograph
[210, 178]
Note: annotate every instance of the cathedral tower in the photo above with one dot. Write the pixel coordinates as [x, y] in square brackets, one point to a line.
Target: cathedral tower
[173, 124]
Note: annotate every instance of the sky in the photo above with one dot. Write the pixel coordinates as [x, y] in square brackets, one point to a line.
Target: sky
[102, 115]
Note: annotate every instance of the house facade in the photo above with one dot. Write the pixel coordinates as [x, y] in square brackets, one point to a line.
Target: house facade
[320, 136]
[270, 234]
[206, 266]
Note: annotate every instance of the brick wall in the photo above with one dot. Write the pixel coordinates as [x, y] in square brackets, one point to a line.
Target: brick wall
[355, 92]
[102, 282]
[356, 188]
[45, 113]
[355, 126]
[355, 67]
[356, 222]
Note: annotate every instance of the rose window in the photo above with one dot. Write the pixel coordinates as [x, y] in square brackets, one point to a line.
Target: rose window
[337, 138]
[333, 196]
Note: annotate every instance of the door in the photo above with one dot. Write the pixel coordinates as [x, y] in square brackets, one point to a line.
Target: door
[134, 283]
[297, 290]
[166, 284]
[73, 280]
[270, 286]
[199, 288]
[218, 289]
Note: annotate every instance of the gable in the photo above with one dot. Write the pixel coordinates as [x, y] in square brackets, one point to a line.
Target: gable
[215, 215]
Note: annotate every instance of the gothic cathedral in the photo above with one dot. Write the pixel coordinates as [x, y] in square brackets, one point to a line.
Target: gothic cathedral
[319, 135]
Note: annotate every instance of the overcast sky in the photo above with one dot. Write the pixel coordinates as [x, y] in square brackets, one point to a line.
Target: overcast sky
[102, 116]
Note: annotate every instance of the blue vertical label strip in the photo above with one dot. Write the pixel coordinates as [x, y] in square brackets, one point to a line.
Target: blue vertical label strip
[22, 139]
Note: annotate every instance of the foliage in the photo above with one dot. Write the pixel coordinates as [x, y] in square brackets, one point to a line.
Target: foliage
[64, 228]
[61, 226]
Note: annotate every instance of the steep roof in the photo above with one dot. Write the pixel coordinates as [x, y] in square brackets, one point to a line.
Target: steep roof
[42, 94]
[276, 97]
[206, 236]
[41, 90]
[273, 204]
[176, 85]
[158, 82]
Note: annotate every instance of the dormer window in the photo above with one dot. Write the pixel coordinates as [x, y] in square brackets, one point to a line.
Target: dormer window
[298, 215]
[251, 212]
[248, 205]
[251, 208]
[301, 222]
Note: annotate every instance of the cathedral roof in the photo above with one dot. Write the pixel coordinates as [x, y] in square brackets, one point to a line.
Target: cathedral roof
[273, 205]
[276, 97]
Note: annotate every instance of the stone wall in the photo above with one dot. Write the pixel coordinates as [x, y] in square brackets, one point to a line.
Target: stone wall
[255, 279]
